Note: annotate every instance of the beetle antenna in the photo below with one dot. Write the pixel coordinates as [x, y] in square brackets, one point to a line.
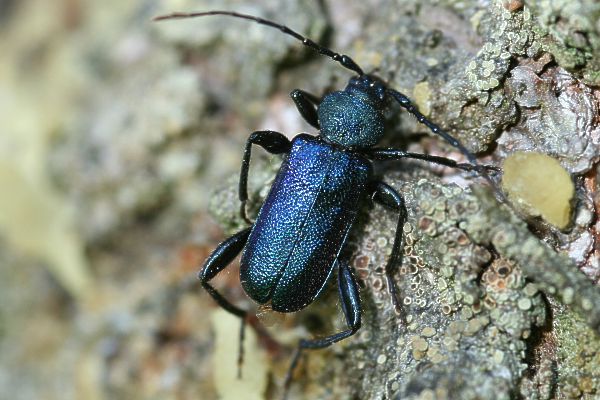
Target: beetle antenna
[344, 60]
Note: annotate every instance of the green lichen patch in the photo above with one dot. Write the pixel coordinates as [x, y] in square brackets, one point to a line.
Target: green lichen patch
[578, 356]
[569, 30]
[478, 107]
[554, 273]
[456, 308]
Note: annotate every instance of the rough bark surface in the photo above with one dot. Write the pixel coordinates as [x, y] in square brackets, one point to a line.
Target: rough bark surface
[119, 161]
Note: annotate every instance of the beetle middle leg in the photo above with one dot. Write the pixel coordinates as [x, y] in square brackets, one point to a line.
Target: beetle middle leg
[220, 258]
[272, 141]
[396, 154]
[350, 300]
[386, 195]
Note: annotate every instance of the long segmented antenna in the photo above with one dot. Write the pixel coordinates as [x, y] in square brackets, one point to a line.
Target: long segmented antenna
[348, 63]
[344, 60]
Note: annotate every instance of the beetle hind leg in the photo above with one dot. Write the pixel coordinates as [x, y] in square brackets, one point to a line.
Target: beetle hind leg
[350, 299]
[220, 258]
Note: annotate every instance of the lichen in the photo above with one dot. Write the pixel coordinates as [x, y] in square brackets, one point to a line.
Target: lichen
[569, 31]
[554, 273]
[578, 356]
[478, 109]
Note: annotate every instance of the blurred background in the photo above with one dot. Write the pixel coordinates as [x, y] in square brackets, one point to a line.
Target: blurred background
[119, 134]
[107, 167]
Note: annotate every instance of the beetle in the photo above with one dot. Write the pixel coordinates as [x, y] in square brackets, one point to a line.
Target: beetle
[295, 243]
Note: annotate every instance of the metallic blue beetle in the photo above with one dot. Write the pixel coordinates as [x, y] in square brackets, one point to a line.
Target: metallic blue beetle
[294, 245]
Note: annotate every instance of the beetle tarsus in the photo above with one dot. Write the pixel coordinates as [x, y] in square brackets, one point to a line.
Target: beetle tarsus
[240, 360]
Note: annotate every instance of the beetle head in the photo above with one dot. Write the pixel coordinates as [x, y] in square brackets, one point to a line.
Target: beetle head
[370, 87]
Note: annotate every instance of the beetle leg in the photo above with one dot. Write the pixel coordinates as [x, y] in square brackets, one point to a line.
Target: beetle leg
[305, 103]
[396, 154]
[350, 299]
[216, 262]
[273, 142]
[386, 195]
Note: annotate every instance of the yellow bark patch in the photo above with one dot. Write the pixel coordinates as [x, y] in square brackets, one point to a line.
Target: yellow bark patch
[539, 186]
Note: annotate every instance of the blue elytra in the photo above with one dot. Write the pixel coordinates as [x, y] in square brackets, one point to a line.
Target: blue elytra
[303, 223]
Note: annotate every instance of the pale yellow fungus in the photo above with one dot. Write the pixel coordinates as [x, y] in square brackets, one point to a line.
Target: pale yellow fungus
[538, 185]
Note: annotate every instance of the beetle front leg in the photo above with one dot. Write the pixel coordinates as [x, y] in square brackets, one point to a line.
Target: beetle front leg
[386, 195]
[350, 299]
[272, 141]
[306, 104]
[216, 262]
